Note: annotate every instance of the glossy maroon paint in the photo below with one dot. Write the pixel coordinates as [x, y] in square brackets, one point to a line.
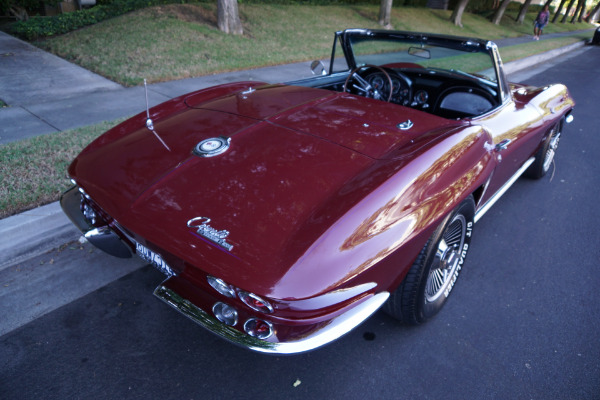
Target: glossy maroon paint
[525, 121]
[271, 190]
[325, 198]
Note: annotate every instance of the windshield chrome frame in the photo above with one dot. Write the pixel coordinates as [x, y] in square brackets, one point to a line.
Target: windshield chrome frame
[447, 41]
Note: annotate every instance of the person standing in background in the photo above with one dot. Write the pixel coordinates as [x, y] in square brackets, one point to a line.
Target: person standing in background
[540, 22]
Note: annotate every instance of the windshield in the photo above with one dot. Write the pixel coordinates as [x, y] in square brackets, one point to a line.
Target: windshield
[401, 53]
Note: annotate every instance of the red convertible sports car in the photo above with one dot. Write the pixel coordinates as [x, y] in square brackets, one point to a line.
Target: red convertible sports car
[285, 215]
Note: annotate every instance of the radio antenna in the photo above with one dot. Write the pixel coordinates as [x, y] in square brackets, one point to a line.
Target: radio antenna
[149, 123]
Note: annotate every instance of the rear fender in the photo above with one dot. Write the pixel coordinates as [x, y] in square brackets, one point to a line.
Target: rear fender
[448, 172]
[378, 237]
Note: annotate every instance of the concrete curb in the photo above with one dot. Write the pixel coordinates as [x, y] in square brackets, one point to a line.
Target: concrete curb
[40, 230]
[527, 62]
[34, 232]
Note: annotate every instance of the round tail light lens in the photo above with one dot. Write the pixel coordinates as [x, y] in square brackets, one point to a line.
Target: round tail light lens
[255, 302]
[258, 328]
[226, 314]
[220, 286]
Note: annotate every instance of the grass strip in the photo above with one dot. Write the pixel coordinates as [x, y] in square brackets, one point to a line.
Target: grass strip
[33, 172]
[512, 53]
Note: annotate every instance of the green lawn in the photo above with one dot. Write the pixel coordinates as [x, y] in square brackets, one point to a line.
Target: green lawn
[28, 180]
[181, 40]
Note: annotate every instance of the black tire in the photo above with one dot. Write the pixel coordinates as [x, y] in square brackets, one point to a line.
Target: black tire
[431, 278]
[545, 155]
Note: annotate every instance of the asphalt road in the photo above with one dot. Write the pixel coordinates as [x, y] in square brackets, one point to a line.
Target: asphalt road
[523, 322]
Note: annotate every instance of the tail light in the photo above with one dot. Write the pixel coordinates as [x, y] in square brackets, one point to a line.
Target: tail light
[255, 302]
[225, 313]
[258, 328]
[220, 286]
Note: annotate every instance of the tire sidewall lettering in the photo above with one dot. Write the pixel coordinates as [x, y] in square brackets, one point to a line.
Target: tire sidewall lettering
[463, 255]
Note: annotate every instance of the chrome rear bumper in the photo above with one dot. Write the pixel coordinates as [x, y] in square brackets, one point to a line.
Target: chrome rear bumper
[107, 240]
[103, 237]
[329, 332]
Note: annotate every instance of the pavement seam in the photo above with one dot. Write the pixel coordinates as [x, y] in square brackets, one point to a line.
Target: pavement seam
[41, 119]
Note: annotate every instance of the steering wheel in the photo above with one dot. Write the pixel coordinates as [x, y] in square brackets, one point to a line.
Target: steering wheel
[365, 88]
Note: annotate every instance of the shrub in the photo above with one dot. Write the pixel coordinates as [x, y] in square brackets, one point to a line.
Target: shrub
[38, 27]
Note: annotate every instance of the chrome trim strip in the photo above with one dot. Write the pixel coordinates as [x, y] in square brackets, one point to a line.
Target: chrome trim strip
[488, 204]
[329, 332]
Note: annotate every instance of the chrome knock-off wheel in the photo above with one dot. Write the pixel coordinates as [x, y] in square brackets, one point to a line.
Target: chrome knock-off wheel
[552, 146]
[447, 260]
[545, 155]
[433, 274]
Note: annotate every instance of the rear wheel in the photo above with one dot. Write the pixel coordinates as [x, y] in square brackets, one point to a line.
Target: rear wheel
[430, 280]
[545, 155]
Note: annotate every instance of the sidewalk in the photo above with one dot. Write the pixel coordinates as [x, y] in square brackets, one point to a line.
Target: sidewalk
[47, 94]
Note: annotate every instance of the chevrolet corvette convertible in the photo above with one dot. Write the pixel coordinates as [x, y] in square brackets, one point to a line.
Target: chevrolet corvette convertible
[284, 215]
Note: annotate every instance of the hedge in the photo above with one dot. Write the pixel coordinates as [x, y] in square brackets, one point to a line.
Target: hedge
[38, 27]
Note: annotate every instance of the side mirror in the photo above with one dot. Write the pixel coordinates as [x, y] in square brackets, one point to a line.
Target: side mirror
[318, 68]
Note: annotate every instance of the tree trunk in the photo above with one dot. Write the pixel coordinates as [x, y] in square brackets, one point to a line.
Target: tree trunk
[523, 11]
[580, 18]
[458, 11]
[18, 12]
[385, 14]
[557, 13]
[592, 13]
[228, 18]
[500, 12]
[564, 18]
[580, 3]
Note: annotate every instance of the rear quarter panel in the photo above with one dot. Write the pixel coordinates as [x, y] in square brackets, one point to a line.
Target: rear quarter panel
[401, 202]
